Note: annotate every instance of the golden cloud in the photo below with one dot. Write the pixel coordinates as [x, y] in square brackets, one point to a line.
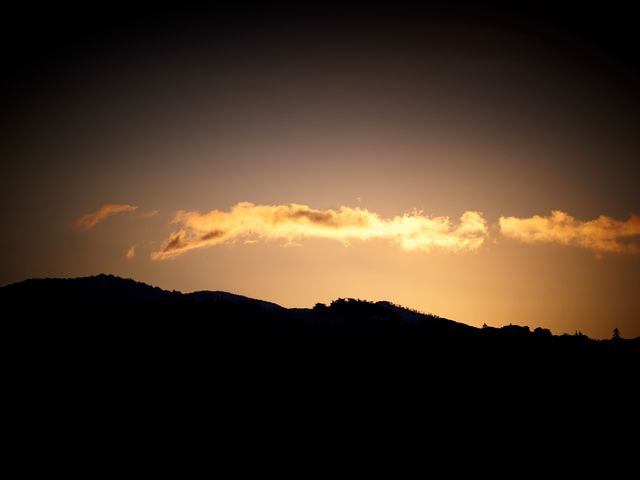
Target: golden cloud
[90, 220]
[248, 222]
[604, 234]
[131, 253]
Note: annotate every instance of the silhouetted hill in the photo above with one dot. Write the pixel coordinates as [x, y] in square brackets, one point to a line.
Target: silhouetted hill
[90, 298]
[121, 320]
[107, 347]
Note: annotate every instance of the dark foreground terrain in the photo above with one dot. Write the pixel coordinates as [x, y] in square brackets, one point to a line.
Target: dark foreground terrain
[117, 350]
[113, 313]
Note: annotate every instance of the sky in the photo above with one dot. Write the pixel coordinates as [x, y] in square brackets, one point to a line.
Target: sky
[476, 162]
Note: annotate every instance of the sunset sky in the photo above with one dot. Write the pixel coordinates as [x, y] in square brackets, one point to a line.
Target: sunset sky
[479, 164]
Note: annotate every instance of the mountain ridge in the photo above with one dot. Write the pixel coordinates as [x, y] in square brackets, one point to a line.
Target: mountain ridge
[127, 331]
[107, 290]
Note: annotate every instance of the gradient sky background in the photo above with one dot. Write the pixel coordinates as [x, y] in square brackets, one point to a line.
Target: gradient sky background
[505, 111]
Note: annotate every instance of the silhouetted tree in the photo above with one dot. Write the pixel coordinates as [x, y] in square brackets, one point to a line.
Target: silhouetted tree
[542, 332]
[616, 333]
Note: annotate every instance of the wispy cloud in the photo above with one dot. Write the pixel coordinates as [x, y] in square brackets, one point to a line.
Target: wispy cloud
[604, 234]
[150, 213]
[131, 253]
[249, 222]
[90, 220]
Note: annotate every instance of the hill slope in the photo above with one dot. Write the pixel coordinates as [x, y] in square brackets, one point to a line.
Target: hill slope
[106, 308]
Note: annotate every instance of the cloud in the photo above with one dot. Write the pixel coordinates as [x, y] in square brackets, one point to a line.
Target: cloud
[604, 234]
[249, 223]
[90, 220]
[131, 253]
[150, 213]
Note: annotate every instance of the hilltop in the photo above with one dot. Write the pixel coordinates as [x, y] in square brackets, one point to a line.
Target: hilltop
[136, 305]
